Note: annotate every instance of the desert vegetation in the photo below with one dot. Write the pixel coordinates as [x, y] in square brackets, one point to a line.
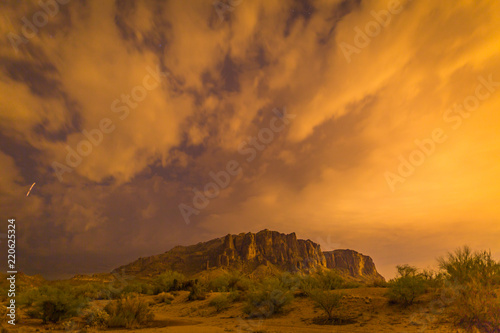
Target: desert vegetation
[52, 304]
[407, 286]
[129, 311]
[464, 291]
[328, 301]
[268, 297]
[472, 289]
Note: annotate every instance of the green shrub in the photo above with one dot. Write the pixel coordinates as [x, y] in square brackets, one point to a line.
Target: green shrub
[95, 317]
[219, 283]
[196, 292]
[229, 282]
[267, 298]
[222, 301]
[28, 298]
[326, 300]
[407, 286]
[350, 285]
[330, 280]
[379, 283]
[129, 312]
[308, 283]
[140, 287]
[471, 281]
[111, 292]
[474, 307]
[168, 281]
[239, 282]
[465, 266]
[52, 304]
[327, 280]
[290, 281]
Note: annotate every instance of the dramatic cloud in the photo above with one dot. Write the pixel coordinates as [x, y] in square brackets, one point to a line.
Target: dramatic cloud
[388, 117]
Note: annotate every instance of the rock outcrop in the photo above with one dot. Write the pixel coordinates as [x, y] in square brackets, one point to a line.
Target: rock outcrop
[247, 251]
[351, 262]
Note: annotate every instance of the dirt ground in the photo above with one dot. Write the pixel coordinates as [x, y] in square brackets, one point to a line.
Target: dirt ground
[367, 308]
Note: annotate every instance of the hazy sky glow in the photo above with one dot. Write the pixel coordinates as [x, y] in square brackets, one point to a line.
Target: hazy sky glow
[389, 145]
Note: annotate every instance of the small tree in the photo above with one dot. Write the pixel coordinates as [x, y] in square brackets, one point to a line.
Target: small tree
[330, 280]
[407, 286]
[327, 301]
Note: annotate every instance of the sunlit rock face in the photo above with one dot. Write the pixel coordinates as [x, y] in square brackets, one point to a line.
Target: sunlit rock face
[248, 251]
[351, 262]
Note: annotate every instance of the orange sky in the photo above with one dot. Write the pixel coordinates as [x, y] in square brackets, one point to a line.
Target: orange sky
[393, 148]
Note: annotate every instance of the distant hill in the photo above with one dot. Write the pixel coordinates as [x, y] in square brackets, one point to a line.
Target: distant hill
[254, 252]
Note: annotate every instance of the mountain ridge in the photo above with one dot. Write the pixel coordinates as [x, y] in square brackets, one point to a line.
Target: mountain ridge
[249, 251]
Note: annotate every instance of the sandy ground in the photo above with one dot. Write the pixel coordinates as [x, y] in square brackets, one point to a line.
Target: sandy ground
[367, 306]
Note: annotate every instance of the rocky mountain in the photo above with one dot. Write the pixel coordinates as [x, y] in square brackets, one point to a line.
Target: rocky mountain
[251, 251]
[351, 262]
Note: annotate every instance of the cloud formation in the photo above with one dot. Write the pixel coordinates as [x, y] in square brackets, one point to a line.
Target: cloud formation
[216, 84]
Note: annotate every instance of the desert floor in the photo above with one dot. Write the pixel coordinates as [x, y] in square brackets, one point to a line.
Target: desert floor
[367, 307]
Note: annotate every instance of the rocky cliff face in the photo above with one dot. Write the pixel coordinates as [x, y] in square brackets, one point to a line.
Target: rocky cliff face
[247, 251]
[351, 262]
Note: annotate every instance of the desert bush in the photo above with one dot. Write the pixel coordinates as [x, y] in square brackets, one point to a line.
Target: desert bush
[28, 298]
[220, 283]
[239, 282]
[327, 280]
[350, 285]
[223, 301]
[168, 281]
[326, 300]
[269, 297]
[229, 282]
[93, 290]
[471, 281]
[87, 290]
[474, 307]
[309, 282]
[290, 281]
[465, 266]
[165, 298]
[330, 280]
[95, 317]
[129, 312]
[140, 287]
[196, 292]
[379, 283]
[51, 304]
[407, 286]
[111, 292]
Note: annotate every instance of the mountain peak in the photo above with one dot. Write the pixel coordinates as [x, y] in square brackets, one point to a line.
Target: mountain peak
[247, 251]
